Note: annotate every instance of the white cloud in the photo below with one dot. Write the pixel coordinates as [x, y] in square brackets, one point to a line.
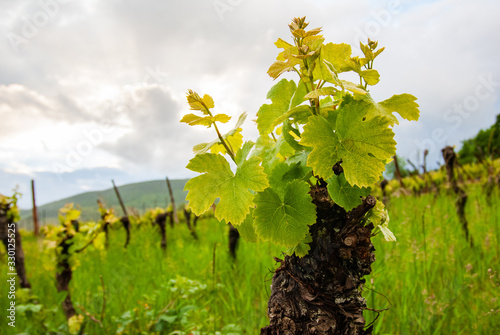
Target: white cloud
[89, 65]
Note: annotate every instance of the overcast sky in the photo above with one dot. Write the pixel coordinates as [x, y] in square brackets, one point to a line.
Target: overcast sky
[93, 90]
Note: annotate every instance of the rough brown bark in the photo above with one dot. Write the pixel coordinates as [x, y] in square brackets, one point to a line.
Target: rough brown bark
[450, 159]
[320, 293]
[6, 229]
[161, 220]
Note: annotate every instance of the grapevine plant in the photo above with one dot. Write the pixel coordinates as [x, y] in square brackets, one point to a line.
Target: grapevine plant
[63, 243]
[305, 183]
[11, 238]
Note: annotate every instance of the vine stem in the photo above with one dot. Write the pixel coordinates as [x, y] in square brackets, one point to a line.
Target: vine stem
[223, 142]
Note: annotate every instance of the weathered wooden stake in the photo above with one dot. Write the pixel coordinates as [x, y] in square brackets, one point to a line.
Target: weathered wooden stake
[172, 200]
[35, 211]
[124, 220]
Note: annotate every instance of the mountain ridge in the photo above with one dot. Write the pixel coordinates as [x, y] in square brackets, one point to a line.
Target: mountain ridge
[138, 196]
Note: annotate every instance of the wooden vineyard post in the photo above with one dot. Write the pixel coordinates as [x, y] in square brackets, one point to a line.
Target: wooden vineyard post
[35, 212]
[172, 201]
[424, 166]
[124, 219]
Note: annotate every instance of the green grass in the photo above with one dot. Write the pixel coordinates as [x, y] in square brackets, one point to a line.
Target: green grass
[434, 281]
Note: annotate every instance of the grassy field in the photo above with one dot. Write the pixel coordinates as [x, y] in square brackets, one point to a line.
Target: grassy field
[432, 281]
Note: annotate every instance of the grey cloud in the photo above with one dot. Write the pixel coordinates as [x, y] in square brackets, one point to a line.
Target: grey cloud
[156, 139]
[436, 50]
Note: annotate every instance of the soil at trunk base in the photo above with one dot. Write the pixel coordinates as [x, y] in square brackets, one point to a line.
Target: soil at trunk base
[320, 293]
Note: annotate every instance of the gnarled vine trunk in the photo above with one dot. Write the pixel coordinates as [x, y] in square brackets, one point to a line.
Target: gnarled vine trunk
[7, 227]
[17, 246]
[63, 277]
[126, 224]
[234, 237]
[187, 215]
[320, 293]
[161, 220]
[450, 159]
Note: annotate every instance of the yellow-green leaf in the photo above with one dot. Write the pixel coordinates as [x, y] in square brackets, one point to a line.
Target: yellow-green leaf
[280, 94]
[320, 92]
[403, 104]
[234, 141]
[370, 76]
[217, 181]
[204, 147]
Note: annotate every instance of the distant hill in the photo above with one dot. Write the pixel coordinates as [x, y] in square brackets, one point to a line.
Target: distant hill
[140, 196]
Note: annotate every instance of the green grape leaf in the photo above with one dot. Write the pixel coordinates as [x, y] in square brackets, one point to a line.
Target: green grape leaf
[284, 220]
[287, 132]
[403, 104]
[242, 154]
[204, 147]
[282, 44]
[345, 195]
[388, 234]
[208, 101]
[280, 95]
[298, 114]
[332, 59]
[283, 173]
[362, 144]
[353, 87]
[320, 92]
[372, 77]
[247, 230]
[272, 151]
[298, 96]
[207, 121]
[379, 217]
[318, 134]
[218, 181]
[302, 248]
[336, 54]
[199, 104]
